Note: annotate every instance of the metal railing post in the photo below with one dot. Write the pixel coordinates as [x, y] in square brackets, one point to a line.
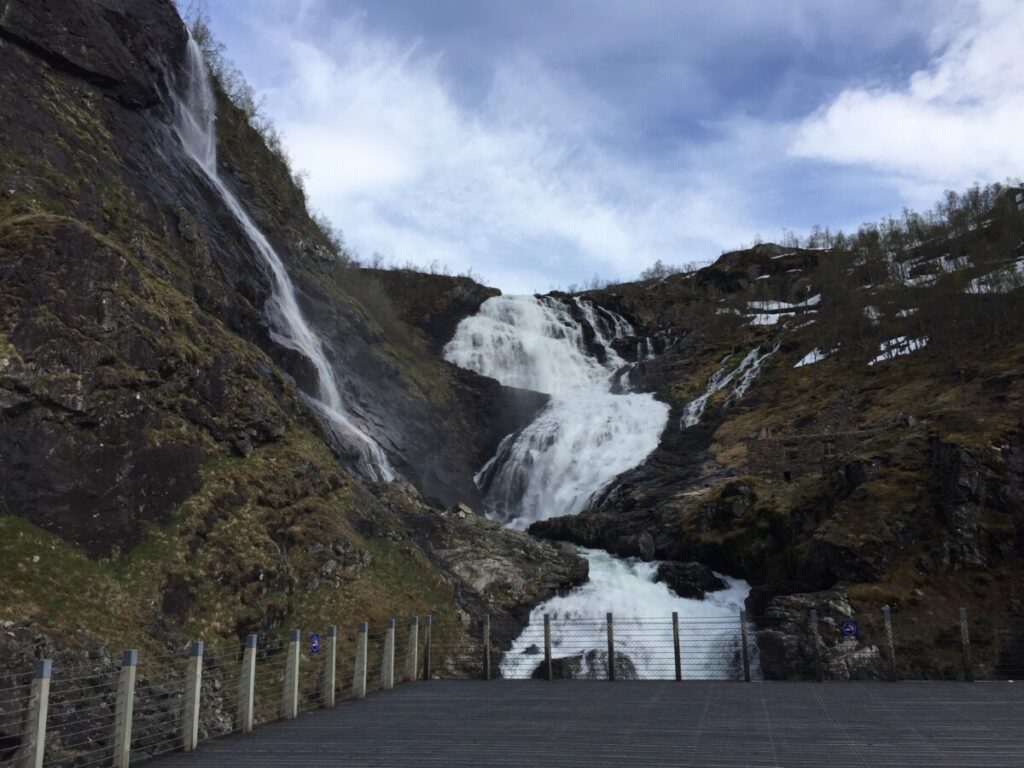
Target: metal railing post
[331, 666]
[247, 686]
[548, 672]
[290, 689]
[965, 646]
[190, 704]
[359, 667]
[123, 709]
[427, 640]
[675, 646]
[387, 662]
[34, 745]
[611, 647]
[819, 673]
[487, 646]
[890, 643]
[744, 646]
[412, 650]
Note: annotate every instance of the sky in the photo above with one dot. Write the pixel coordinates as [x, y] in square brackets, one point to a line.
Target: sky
[541, 144]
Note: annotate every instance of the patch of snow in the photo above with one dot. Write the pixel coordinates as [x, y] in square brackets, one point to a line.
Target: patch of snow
[872, 313]
[897, 347]
[1004, 280]
[768, 319]
[812, 357]
[779, 306]
[906, 312]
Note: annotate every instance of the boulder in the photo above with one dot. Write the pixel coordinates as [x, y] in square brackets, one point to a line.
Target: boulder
[691, 580]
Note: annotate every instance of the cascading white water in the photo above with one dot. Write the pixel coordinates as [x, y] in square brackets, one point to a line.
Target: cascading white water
[586, 436]
[583, 439]
[195, 125]
[626, 588]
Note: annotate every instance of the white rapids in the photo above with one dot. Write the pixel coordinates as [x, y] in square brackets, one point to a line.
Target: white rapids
[588, 435]
[195, 124]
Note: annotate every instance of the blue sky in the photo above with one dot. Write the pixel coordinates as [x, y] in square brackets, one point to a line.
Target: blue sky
[542, 143]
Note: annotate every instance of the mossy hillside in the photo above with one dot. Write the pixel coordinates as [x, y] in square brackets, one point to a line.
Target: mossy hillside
[240, 549]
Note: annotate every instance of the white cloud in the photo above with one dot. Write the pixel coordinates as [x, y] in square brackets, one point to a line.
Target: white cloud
[521, 187]
[953, 123]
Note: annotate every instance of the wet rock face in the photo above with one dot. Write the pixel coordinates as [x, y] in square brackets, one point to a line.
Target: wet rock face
[74, 458]
[691, 580]
[790, 647]
[123, 45]
[590, 665]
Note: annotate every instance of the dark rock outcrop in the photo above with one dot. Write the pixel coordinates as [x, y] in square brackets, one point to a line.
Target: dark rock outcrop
[691, 580]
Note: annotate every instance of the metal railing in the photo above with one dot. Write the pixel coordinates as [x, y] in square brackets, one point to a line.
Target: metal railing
[98, 713]
[801, 646]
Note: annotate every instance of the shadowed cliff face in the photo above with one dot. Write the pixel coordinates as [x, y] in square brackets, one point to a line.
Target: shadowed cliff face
[96, 79]
[161, 473]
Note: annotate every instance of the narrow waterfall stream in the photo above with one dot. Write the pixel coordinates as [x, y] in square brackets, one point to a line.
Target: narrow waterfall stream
[586, 436]
[195, 124]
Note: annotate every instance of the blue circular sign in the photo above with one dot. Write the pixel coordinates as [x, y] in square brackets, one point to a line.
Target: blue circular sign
[314, 644]
[848, 628]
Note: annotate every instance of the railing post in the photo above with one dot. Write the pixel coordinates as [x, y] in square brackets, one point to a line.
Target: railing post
[611, 647]
[427, 640]
[330, 665]
[359, 667]
[123, 709]
[290, 689]
[387, 662]
[819, 673]
[34, 745]
[548, 672]
[190, 704]
[965, 645]
[890, 643]
[675, 646]
[487, 646]
[744, 646]
[247, 685]
[412, 650]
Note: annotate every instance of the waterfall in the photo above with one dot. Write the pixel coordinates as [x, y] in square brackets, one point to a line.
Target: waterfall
[586, 436]
[747, 371]
[195, 116]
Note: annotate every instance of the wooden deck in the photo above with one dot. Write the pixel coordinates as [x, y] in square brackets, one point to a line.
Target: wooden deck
[576, 723]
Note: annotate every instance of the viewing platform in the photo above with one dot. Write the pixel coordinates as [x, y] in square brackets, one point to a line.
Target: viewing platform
[541, 724]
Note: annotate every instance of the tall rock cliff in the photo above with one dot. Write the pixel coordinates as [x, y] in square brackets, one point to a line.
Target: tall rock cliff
[161, 470]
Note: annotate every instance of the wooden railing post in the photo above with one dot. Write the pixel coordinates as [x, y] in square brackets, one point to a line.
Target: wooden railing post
[427, 641]
[745, 646]
[387, 662]
[190, 704]
[675, 646]
[890, 644]
[611, 647]
[34, 743]
[965, 647]
[487, 646]
[247, 686]
[330, 665]
[412, 650]
[290, 689]
[548, 672]
[123, 709]
[359, 667]
[819, 672]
